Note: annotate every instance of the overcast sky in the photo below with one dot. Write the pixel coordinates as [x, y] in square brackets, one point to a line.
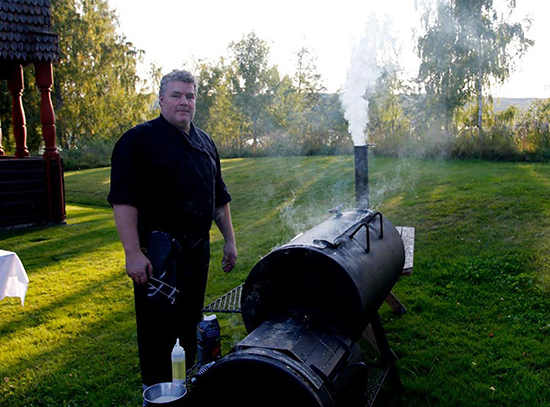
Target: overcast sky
[174, 31]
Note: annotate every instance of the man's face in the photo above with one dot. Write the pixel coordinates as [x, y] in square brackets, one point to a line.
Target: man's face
[177, 103]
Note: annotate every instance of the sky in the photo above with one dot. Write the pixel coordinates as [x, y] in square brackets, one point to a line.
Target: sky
[175, 32]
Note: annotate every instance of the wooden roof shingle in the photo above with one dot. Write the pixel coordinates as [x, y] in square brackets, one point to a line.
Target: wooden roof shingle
[25, 32]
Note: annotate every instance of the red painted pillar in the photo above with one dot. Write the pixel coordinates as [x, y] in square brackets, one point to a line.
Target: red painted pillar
[44, 81]
[54, 168]
[16, 86]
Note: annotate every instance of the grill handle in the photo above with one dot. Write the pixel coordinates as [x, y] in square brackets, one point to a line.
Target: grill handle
[352, 231]
[366, 225]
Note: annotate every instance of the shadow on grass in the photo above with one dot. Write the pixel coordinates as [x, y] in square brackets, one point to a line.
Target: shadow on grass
[74, 341]
[94, 366]
[86, 231]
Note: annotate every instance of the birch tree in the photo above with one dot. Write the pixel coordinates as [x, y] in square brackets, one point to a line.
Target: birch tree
[468, 45]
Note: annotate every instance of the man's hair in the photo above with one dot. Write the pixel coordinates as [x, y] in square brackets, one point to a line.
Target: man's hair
[178, 75]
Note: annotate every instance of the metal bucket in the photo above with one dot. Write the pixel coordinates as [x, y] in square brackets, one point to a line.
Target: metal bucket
[165, 394]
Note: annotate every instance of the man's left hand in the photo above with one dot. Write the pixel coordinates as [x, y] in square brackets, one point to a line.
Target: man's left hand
[229, 257]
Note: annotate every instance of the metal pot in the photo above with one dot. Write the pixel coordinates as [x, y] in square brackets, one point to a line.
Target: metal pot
[165, 394]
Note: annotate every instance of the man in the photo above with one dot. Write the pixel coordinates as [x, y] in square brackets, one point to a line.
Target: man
[166, 189]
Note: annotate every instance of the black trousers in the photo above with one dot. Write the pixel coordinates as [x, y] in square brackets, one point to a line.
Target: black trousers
[160, 323]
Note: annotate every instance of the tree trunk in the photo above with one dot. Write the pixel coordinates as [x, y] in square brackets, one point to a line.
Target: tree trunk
[480, 91]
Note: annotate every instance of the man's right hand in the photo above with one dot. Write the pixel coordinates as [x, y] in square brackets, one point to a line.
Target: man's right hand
[138, 267]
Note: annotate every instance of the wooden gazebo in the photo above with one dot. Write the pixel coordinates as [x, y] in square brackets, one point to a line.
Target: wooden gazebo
[31, 188]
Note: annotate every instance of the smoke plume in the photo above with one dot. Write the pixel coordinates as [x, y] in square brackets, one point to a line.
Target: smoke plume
[368, 58]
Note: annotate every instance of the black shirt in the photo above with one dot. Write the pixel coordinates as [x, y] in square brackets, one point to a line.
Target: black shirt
[173, 179]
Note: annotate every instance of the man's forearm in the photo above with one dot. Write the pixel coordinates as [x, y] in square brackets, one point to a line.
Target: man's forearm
[138, 266]
[223, 221]
[222, 218]
[126, 218]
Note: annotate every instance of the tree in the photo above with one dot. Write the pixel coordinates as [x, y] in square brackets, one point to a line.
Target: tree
[253, 80]
[389, 127]
[494, 41]
[329, 128]
[307, 80]
[225, 120]
[441, 74]
[216, 112]
[294, 99]
[467, 45]
[209, 78]
[96, 91]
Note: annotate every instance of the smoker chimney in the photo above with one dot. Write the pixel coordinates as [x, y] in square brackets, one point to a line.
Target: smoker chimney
[362, 176]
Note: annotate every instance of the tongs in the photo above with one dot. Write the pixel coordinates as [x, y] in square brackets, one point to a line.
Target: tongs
[171, 296]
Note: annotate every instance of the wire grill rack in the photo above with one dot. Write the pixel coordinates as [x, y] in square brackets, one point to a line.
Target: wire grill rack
[228, 303]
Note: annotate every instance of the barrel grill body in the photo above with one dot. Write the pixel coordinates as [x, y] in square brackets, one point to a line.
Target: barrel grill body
[291, 361]
[305, 305]
[340, 271]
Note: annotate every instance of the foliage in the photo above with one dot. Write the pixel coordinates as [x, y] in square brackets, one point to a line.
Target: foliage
[534, 129]
[467, 45]
[401, 124]
[97, 93]
[476, 330]
[216, 112]
[510, 135]
[389, 127]
[31, 101]
[89, 154]
[252, 82]
[251, 109]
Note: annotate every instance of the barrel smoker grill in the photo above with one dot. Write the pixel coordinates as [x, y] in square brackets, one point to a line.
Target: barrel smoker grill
[305, 305]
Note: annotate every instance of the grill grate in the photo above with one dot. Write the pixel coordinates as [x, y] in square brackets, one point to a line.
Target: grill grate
[228, 303]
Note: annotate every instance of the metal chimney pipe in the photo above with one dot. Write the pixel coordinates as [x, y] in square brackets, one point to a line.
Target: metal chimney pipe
[362, 176]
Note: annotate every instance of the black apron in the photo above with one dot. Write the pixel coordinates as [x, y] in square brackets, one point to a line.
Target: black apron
[163, 315]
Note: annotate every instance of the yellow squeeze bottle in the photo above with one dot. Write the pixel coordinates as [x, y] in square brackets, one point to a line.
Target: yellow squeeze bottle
[178, 363]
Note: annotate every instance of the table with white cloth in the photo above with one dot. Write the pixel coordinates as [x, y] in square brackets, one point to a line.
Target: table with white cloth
[13, 278]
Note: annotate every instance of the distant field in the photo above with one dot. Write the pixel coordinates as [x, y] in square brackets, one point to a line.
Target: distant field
[500, 104]
[478, 322]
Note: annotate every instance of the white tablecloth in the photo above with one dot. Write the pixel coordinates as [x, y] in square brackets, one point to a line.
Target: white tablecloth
[13, 278]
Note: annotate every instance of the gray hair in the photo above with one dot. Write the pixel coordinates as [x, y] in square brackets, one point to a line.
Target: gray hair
[178, 75]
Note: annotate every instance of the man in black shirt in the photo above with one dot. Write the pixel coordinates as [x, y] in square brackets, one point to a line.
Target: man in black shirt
[166, 189]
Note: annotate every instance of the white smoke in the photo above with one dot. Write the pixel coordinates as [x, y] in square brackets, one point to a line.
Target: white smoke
[368, 59]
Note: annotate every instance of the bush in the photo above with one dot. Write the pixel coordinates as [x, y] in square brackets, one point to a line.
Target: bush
[495, 143]
[93, 154]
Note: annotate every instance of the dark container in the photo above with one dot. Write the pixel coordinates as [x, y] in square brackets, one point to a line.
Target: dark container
[208, 340]
[341, 271]
[292, 361]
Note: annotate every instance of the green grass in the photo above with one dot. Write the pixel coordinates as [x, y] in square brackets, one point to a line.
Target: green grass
[478, 322]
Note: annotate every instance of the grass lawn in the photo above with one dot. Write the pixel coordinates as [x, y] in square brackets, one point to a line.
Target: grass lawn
[477, 331]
